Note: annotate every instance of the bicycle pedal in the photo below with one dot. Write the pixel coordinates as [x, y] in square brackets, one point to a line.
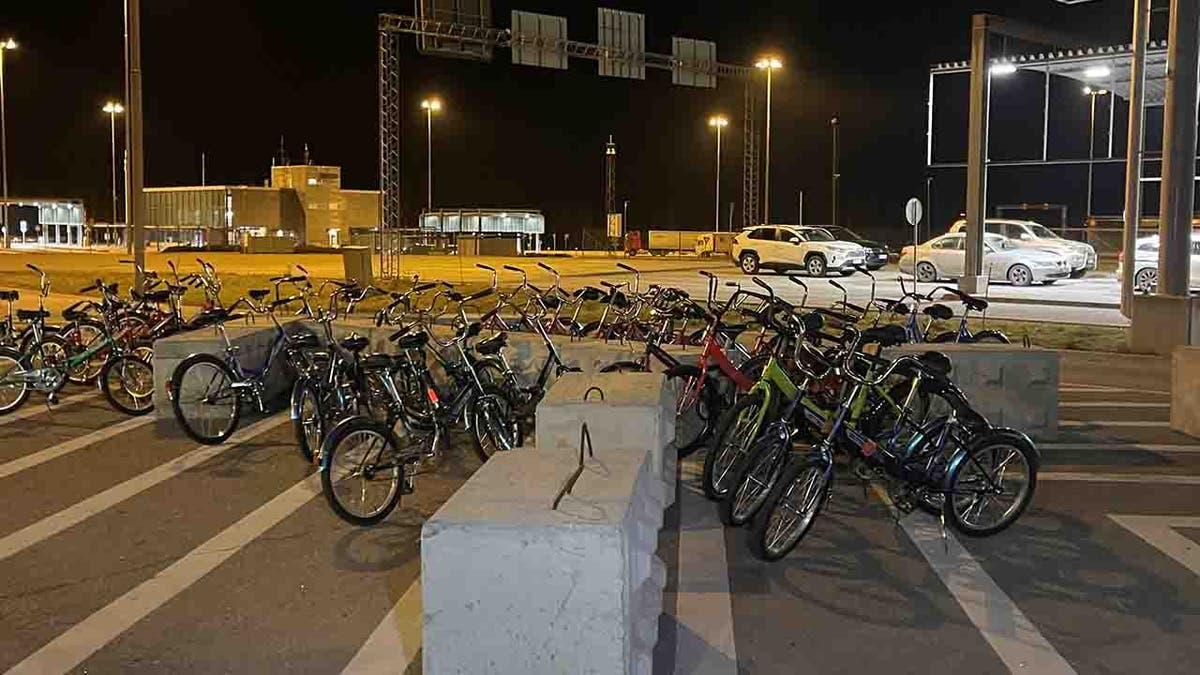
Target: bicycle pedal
[904, 503]
[408, 486]
[51, 399]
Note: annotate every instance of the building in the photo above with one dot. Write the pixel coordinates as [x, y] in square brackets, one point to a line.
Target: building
[305, 203]
[51, 221]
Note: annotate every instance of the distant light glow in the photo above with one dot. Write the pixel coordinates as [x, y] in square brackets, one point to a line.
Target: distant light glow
[1004, 68]
[769, 62]
[718, 121]
[1094, 92]
[1096, 72]
[113, 107]
[8, 44]
[431, 104]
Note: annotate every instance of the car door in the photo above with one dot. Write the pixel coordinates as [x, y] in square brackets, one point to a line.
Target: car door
[762, 241]
[947, 253]
[1195, 282]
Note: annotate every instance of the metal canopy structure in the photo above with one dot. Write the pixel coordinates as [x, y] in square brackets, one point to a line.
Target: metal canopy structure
[452, 36]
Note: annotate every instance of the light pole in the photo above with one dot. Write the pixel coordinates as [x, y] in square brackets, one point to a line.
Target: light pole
[719, 123]
[837, 175]
[430, 106]
[769, 64]
[4, 46]
[113, 109]
[1091, 93]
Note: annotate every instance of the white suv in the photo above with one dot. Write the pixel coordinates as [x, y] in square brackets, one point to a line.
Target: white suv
[1028, 234]
[782, 247]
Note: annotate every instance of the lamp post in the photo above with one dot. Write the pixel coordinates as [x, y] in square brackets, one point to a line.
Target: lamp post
[837, 174]
[4, 46]
[113, 109]
[769, 64]
[430, 106]
[1092, 93]
[719, 123]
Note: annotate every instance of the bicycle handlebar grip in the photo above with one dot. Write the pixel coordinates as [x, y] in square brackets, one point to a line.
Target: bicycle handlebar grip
[421, 288]
[283, 301]
[478, 294]
[485, 267]
[706, 273]
[626, 267]
[547, 267]
[33, 267]
[88, 289]
[512, 268]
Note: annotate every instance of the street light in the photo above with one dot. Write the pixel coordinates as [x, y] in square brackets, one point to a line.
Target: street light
[1092, 93]
[430, 106]
[113, 109]
[719, 123]
[769, 64]
[837, 174]
[4, 46]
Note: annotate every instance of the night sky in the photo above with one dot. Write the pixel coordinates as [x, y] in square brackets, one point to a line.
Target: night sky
[227, 78]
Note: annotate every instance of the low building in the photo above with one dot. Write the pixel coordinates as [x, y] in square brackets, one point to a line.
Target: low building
[50, 221]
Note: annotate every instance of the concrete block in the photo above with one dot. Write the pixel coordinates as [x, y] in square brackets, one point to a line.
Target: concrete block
[1009, 385]
[1185, 390]
[1160, 323]
[511, 586]
[633, 412]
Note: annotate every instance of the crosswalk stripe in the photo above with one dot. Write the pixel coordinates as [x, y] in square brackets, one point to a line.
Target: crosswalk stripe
[395, 642]
[73, 515]
[34, 409]
[1112, 423]
[67, 447]
[1065, 386]
[1123, 447]
[1111, 404]
[1159, 532]
[1163, 478]
[69, 649]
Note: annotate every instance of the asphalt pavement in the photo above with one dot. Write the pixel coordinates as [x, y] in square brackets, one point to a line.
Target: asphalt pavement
[126, 549]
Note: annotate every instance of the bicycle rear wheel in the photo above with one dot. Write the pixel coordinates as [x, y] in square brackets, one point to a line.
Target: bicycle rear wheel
[492, 422]
[13, 390]
[991, 485]
[361, 472]
[790, 509]
[128, 384]
[206, 405]
[695, 409]
[749, 489]
[735, 434]
[307, 419]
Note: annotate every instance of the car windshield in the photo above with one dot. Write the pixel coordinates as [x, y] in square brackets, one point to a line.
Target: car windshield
[1043, 232]
[817, 234]
[999, 243]
[844, 234]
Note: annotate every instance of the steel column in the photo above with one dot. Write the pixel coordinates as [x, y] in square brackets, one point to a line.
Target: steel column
[1133, 150]
[1179, 149]
[977, 151]
[135, 205]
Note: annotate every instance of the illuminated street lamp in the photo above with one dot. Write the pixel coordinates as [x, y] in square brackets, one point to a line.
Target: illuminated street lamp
[113, 109]
[430, 106]
[1092, 93]
[5, 45]
[769, 64]
[718, 122]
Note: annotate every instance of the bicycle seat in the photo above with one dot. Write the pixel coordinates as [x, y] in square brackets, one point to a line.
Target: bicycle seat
[405, 340]
[156, 296]
[939, 312]
[936, 363]
[975, 304]
[551, 303]
[885, 336]
[589, 293]
[258, 294]
[73, 315]
[378, 362]
[470, 330]
[11, 296]
[32, 314]
[492, 345]
[354, 343]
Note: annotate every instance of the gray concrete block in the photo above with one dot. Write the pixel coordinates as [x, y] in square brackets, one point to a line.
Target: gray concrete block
[511, 586]
[1185, 390]
[1009, 385]
[1160, 323]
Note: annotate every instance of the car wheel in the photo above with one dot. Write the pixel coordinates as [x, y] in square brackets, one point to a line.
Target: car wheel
[1146, 279]
[749, 263]
[815, 265]
[926, 272]
[1019, 275]
[1049, 282]
[1079, 273]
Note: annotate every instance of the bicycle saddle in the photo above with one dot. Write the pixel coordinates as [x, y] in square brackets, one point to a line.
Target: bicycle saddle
[73, 314]
[492, 345]
[975, 304]
[258, 294]
[354, 343]
[939, 312]
[470, 330]
[885, 336]
[589, 293]
[936, 363]
[32, 314]
[11, 296]
[153, 296]
[405, 340]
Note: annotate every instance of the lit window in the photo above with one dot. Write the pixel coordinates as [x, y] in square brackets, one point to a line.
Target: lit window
[312, 181]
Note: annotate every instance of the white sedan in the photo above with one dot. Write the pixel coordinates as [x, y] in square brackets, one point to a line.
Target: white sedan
[1145, 269]
[944, 257]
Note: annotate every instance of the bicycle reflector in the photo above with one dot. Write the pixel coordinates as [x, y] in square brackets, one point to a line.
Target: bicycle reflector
[433, 397]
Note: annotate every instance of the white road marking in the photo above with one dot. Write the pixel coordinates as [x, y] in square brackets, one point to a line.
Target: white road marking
[73, 515]
[67, 447]
[703, 605]
[1163, 478]
[1066, 386]
[1158, 531]
[1014, 638]
[69, 649]
[1111, 423]
[1111, 404]
[1123, 447]
[32, 409]
[395, 642]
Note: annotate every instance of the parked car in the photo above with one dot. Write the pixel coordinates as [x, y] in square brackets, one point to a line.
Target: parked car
[1028, 234]
[877, 252]
[783, 247]
[1145, 274]
[944, 257]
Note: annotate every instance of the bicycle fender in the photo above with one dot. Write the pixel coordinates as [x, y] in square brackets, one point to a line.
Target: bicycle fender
[1004, 433]
[992, 334]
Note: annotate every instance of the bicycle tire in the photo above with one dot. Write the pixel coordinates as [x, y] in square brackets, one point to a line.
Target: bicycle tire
[762, 467]
[810, 467]
[335, 445]
[177, 379]
[492, 411]
[714, 482]
[11, 359]
[304, 391]
[86, 373]
[704, 407]
[998, 437]
[122, 365]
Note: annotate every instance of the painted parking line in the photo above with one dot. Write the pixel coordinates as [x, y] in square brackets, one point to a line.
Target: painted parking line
[1014, 638]
[34, 409]
[70, 516]
[1111, 404]
[1161, 478]
[1112, 423]
[395, 642]
[1182, 448]
[1159, 532]
[69, 649]
[67, 447]
[1063, 386]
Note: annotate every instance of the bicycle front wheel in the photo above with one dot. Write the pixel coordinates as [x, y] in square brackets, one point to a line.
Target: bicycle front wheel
[735, 434]
[749, 489]
[362, 471]
[205, 404]
[790, 509]
[308, 421]
[492, 422]
[128, 384]
[14, 390]
[990, 486]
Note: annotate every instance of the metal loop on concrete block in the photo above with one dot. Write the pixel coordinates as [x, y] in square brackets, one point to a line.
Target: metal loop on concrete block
[585, 442]
[588, 393]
